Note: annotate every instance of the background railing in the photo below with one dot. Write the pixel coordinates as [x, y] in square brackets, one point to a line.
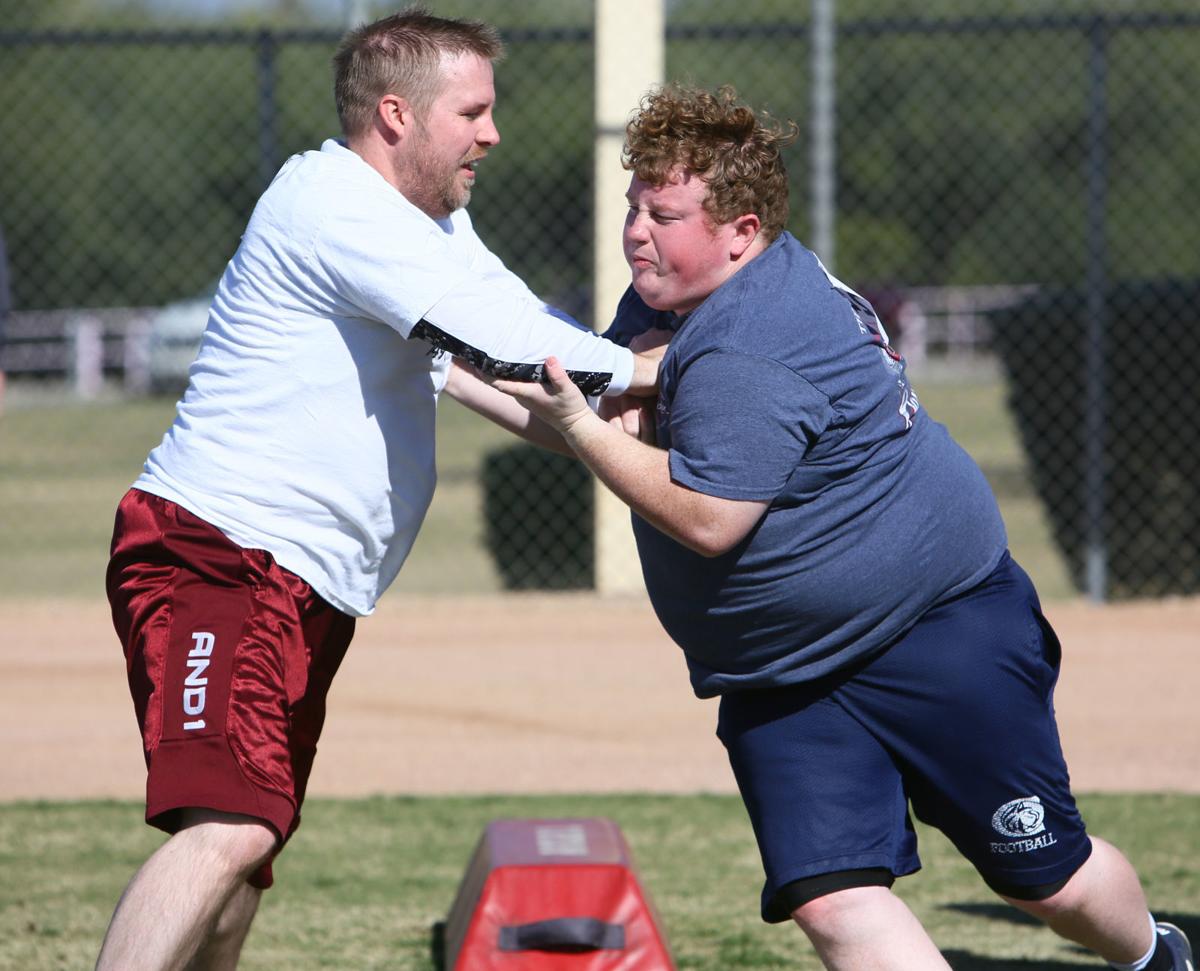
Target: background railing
[1016, 191]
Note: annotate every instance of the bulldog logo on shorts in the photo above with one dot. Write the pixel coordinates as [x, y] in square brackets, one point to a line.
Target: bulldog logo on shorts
[1020, 817]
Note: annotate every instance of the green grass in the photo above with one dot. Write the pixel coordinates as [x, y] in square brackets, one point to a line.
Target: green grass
[63, 469]
[65, 465]
[363, 881]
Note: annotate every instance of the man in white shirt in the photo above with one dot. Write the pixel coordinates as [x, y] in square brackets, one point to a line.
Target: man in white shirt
[288, 492]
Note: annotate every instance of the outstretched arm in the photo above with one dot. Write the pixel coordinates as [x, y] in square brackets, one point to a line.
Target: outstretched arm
[466, 387]
[636, 472]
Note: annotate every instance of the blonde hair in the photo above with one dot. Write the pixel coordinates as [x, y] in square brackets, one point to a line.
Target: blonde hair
[402, 54]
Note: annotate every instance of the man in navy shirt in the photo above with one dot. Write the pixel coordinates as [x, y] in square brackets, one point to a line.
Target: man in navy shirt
[834, 567]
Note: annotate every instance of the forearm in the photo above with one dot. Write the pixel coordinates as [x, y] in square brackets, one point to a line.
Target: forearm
[645, 373]
[640, 476]
[638, 473]
[508, 337]
[529, 427]
[468, 390]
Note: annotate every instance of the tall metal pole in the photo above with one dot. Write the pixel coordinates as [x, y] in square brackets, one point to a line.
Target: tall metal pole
[630, 59]
[823, 131]
[268, 147]
[1095, 420]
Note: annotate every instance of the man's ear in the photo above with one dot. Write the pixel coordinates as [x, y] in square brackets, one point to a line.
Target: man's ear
[745, 232]
[394, 117]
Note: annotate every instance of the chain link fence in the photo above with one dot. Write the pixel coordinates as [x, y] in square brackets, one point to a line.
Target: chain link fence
[1014, 189]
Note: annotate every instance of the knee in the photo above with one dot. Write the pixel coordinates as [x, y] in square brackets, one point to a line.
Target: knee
[228, 841]
[1050, 902]
[839, 915]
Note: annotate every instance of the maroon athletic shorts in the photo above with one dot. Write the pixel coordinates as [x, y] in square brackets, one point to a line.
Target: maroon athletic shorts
[229, 658]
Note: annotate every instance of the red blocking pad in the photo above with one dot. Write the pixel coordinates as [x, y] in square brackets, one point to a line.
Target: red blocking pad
[553, 895]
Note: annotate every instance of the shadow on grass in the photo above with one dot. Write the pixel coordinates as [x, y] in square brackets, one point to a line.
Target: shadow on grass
[967, 961]
[996, 911]
[959, 960]
[437, 945]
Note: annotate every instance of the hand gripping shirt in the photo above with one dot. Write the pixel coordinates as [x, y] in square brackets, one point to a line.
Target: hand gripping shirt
[782, 387]
[307, 428]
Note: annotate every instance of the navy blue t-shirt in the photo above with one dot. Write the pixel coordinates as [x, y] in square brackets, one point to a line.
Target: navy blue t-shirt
[782, 387]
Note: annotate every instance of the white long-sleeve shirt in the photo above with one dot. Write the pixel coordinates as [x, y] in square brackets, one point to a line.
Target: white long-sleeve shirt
[307, 428]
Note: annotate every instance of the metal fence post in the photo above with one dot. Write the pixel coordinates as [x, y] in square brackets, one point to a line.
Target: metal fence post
[135, 356]
[268, 150]
[1095, 422]
[823, 129]
[87, 356]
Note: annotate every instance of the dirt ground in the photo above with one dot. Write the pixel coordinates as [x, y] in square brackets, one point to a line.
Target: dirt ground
[536, 694]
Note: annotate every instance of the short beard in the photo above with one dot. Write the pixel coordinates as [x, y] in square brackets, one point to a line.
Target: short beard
[437, 192]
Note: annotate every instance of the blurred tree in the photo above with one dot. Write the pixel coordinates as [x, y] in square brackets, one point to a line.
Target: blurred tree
[128, 168]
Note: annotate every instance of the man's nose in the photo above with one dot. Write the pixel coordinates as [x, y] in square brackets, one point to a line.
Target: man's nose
[488, 133]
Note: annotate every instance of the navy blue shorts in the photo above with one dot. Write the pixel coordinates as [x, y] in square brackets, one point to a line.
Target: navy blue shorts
[956, 718]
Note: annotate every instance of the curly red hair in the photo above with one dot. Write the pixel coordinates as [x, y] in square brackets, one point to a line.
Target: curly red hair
[712, 134]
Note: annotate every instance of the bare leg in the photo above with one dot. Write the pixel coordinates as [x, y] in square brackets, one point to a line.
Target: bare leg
[1102, 907]
[224, 945]
[868, 927]
[173, 902]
